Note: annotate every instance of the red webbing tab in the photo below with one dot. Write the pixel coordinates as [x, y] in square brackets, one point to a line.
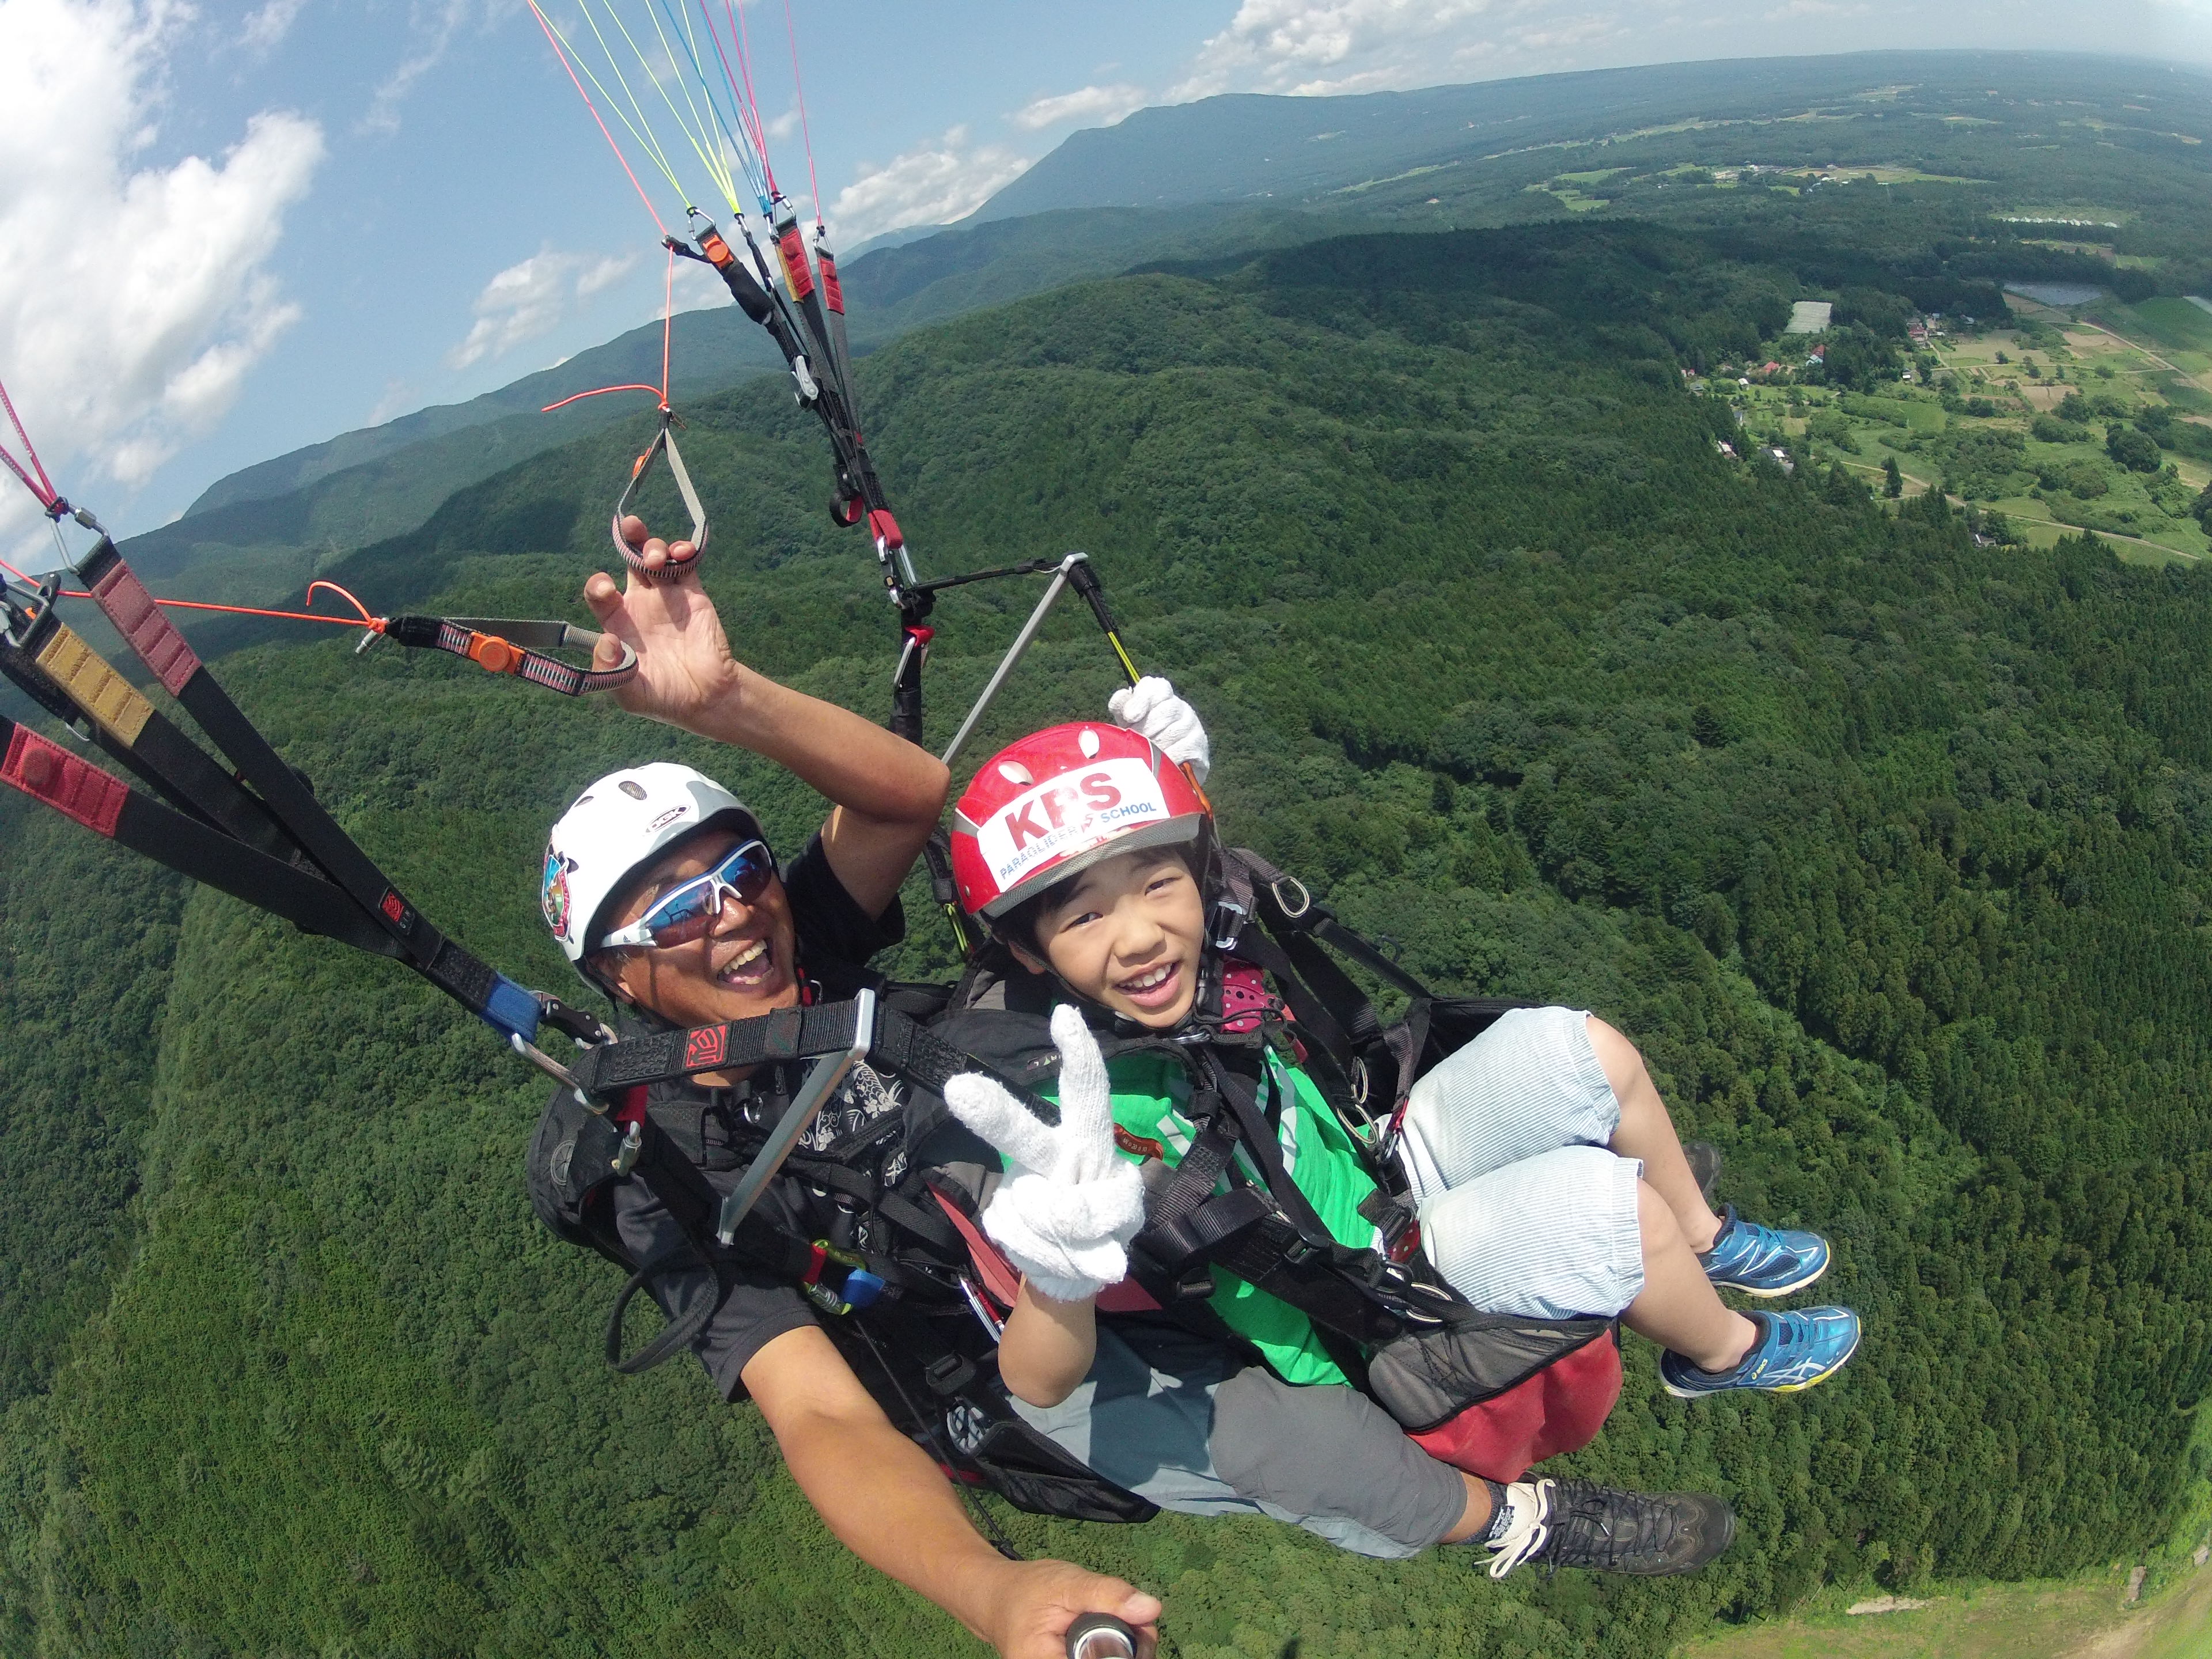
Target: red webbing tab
[1000, 1280]
[832, 291]
[70, 786]
[139, 620]
[795, 263]
[884, 528]
[631, 1113]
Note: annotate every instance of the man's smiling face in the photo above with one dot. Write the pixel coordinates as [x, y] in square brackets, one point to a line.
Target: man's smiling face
[743, 965]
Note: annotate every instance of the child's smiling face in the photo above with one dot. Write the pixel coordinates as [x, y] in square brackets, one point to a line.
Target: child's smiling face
[1128, 934]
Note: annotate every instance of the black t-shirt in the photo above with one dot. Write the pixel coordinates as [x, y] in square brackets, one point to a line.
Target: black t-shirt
[835, 938]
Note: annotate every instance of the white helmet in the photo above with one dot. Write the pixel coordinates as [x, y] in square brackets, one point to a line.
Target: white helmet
[624, 820]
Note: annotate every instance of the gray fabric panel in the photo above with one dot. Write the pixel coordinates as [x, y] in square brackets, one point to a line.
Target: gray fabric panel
[1143, 1419]
[1331, 1452]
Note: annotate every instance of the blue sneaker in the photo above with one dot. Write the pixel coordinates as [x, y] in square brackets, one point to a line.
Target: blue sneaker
[1795, 1350]
[1764, 1260]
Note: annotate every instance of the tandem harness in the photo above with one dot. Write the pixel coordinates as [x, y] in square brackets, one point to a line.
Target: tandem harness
[1493, 1393]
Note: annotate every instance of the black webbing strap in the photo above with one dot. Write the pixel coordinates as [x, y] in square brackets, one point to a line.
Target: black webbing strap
[103, 803]
[498, 1002]
[74, 683]
[1314, 985]
[678, 1333]
[1261, 1145]
[899, 1044]
[1170, 1204]
[1328, 1287]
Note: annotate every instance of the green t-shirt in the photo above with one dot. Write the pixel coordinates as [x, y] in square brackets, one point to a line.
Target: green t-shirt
[1151, 1093]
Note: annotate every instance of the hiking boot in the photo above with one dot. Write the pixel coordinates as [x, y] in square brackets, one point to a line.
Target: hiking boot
[1764, 1260]
[1571, 1523]
[1795, 1350]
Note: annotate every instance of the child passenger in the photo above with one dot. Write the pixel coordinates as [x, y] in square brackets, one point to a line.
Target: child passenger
[1548, 1176]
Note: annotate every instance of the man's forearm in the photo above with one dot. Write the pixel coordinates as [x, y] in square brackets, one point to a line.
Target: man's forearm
[894, 1509]
[850, 761]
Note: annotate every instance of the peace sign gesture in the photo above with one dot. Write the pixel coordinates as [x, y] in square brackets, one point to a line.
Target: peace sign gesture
[1070, 1202]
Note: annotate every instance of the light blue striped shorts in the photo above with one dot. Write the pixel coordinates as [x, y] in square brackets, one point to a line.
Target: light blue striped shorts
[1523, 1210]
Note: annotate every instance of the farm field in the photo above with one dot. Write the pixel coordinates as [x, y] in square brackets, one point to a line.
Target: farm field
[2041, 424]
[2079, 1621]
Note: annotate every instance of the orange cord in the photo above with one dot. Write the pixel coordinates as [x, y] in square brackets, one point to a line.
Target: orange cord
[667, 332]
[374, 623]
[598, 392]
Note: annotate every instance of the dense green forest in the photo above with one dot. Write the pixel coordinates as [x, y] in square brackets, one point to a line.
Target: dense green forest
[1891, 845]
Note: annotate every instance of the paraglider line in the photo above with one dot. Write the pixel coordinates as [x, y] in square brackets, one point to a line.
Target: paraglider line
[49, 498]
[554, 41]
[746, 64]
[806, 133]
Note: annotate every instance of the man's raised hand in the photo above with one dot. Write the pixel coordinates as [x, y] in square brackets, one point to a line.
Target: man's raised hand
[684, 667]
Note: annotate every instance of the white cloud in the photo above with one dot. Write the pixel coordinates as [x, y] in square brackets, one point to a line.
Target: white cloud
[1102, 105]
[1316, 47]
[533, 298]
[933, 185]
[434, 30]
[133, 298]
[266, 29]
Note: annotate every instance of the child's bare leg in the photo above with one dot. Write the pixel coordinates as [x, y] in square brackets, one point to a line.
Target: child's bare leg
[1647, 1133]
[1678, 1307]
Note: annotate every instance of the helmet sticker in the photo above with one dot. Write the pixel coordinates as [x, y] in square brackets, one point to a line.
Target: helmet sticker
[669, 817]
[553, 898]
[1067, 816]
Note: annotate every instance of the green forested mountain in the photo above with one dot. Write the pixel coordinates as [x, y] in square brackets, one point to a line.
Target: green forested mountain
[2013, 138]
[1892, 844]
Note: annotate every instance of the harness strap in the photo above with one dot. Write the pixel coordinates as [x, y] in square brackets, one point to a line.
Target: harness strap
[502, 647]
[1266, 1151]
[897, 1043]
[101, 802]
[501, 1003]
[64, 676]
[678, 1333]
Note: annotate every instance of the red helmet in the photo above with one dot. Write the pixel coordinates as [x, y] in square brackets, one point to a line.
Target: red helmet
[1059, 801]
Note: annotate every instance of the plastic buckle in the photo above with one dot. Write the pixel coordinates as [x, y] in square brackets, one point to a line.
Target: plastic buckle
[948, 1374]
[494, 654]
[1226, 923]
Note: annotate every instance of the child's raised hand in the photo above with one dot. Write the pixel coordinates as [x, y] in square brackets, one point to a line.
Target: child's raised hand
[1069, 1204]
[1152, 710]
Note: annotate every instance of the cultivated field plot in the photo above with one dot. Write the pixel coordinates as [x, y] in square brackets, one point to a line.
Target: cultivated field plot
[2092, 417]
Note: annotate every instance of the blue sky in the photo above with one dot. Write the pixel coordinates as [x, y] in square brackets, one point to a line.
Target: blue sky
[229, 230]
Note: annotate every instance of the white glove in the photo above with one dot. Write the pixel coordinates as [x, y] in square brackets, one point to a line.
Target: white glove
[1069, 1202]
[1151, 709]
